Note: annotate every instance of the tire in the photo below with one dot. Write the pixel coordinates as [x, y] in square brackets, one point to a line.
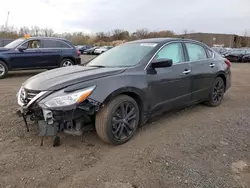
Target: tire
[3, 70]
[110, 121]
[217, 92]
[66, 62]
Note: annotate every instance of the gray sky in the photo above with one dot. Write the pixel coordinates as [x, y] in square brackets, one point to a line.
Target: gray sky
[223, 16]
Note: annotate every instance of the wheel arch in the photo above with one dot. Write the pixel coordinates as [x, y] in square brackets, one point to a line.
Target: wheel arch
[67, 57]
[132, 92]
[223, 76]
[6, 62]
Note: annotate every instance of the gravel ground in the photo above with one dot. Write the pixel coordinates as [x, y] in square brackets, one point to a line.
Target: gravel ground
[197, 147]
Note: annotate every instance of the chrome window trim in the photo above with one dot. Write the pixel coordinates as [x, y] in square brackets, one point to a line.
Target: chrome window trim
[161, 49]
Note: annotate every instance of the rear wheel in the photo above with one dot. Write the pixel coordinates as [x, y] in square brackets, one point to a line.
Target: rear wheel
[217, 92]
[3, 69]
[117, 122]
[66, 63]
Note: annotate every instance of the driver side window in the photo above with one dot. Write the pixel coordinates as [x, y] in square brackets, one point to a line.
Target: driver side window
[32, 44]
[172, 51]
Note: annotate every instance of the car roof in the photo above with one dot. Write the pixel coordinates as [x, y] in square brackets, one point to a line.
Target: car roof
[54, 38]
[161, 40]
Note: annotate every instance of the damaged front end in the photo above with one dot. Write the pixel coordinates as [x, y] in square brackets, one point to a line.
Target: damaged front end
[71, 112]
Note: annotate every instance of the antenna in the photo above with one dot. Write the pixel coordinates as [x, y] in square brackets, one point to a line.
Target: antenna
[7, 19]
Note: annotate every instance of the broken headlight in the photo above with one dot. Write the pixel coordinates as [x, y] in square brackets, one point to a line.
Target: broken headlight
[68, 99]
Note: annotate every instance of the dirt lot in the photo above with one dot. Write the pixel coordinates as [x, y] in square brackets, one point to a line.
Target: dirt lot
[197, 147]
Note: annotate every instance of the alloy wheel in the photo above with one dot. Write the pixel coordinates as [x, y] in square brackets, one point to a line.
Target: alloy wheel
[2, 70]
[124, 121]
[218, 91]
[67, 63]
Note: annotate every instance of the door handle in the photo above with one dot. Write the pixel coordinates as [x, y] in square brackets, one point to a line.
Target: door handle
[212, 65]
[186, 71]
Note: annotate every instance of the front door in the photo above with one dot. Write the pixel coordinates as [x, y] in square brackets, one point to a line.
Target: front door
[170, 87]
[29, 58]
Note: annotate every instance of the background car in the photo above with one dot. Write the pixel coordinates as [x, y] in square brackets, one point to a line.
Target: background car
[102, 49]
[246, 58]
[91, 50]
[36, 53]
[83, 48]
[236, 55]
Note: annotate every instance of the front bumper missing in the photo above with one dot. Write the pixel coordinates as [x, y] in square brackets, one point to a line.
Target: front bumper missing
[73, 121]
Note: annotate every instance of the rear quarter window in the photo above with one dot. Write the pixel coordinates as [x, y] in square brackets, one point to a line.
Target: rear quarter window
[210, 53]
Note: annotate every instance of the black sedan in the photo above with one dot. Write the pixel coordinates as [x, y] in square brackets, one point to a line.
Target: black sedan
[237, 55]
[117, 95]
[91, 50]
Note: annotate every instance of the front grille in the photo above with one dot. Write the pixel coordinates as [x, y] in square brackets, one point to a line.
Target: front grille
[27, 95]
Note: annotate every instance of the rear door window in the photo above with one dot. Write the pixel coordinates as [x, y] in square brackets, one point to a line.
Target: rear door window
[196, 52]
[54, 44]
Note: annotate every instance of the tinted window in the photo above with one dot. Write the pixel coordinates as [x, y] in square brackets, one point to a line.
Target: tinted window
[32, 44]
[196, 52]
[54, 44]
[172, 51]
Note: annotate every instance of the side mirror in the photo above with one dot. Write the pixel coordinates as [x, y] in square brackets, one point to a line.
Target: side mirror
[21, 48]
[161, 63]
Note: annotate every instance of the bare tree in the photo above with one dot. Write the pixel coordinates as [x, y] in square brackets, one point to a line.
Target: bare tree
[141, 33]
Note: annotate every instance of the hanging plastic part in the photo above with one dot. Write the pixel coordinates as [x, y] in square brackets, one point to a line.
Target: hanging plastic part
[26, 124]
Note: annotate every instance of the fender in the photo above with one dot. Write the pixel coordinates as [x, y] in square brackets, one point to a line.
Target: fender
[6, 61]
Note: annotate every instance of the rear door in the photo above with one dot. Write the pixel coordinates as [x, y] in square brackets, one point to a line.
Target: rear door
[51, 50]
[29, 58]
[203, 69]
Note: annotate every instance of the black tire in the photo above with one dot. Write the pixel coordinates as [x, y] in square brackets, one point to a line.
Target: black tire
[110, 124]
[217, 92]
[66, 62]
[3, 70]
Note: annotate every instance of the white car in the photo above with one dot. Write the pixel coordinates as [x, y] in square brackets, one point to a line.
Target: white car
[102, 49]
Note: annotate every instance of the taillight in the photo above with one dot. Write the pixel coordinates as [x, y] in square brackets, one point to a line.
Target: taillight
[228, 63]
[78, 52]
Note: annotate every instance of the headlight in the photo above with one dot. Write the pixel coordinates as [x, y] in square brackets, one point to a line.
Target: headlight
[70, 98]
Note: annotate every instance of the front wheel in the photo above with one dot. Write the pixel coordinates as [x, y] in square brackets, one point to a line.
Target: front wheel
[66, 63]
[3, 70]
[217, 92]
[117, 122]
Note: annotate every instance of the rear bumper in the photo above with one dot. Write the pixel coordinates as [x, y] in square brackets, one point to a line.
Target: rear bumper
[78, 61]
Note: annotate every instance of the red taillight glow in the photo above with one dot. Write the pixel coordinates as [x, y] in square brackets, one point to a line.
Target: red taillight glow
[228, 63]
[78, 52]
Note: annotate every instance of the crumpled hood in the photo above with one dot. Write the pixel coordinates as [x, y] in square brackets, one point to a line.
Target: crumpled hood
[62, 77]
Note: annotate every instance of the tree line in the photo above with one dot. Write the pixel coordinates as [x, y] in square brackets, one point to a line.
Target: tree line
[113, 37]
[99, 38]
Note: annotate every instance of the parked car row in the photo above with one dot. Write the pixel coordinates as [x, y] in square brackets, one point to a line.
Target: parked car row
[234, 54]
[93, 50]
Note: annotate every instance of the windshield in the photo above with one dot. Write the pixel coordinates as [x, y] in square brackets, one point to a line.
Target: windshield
[14, 43]
[123, 56]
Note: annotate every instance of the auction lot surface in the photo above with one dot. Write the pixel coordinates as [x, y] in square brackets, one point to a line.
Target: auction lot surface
[197, 147]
